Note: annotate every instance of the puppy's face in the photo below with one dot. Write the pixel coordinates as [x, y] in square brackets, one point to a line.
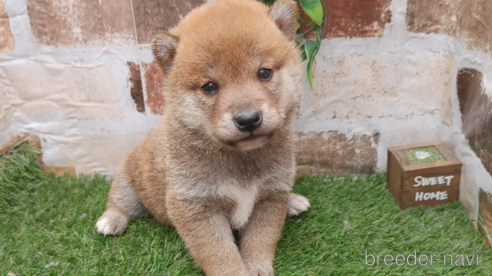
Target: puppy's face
[233, 71]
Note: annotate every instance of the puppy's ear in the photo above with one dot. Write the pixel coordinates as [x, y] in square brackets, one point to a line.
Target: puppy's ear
[284, 14]
[164, 48]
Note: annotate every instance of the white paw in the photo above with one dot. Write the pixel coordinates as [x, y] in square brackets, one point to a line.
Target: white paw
[260, 270]
[111, 223]
[297, 204]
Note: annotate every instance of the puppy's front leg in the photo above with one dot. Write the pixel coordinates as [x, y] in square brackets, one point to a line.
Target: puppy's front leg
[258, 239]
[208, 236]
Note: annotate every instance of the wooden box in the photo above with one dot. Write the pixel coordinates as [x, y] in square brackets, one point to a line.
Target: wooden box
[423, 175]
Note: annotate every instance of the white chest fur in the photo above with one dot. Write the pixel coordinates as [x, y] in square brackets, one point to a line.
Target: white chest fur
[244, 198]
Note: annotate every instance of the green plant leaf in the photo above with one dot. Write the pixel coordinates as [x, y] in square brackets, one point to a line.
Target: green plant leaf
[299, 38]
[309, 72]
[302, 50]
[311, 48]
[314, 9]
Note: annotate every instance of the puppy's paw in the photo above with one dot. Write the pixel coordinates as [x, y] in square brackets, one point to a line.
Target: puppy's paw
[260, 270]
[111, 222]
[297, 204]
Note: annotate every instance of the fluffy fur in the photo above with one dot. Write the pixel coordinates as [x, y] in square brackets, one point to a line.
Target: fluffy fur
[198, 171]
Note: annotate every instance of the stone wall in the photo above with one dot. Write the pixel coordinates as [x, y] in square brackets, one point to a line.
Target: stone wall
[80, 75]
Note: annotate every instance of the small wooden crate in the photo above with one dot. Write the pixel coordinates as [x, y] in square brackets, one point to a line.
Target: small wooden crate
[425, 184]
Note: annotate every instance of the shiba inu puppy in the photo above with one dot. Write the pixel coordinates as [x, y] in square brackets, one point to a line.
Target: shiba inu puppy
[223, 158]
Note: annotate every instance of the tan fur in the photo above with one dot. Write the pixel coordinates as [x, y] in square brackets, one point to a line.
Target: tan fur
[198, 172]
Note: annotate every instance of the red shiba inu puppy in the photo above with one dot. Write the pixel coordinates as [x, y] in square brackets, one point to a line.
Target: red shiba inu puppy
[223, 158]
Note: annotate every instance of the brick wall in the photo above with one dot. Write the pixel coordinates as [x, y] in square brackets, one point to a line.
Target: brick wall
[399, 72]
[80, 75]
[390, 72]
[469, 23]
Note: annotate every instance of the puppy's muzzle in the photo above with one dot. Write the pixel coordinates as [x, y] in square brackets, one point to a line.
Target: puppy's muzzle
[248, 120]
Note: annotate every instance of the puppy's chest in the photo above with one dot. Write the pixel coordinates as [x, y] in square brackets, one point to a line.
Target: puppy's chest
[244, 199]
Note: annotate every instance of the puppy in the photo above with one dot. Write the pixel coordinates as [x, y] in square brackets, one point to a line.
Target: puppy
[223, 158]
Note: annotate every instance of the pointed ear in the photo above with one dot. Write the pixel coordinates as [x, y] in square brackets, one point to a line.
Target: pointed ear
[164, 48]
[284, 14]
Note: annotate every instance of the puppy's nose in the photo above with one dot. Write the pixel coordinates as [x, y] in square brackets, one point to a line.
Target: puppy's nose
[248, 120]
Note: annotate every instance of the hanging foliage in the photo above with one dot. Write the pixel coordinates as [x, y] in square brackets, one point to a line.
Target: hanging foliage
[315, 10]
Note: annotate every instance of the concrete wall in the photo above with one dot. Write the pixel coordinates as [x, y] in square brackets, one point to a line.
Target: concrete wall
[80, 75]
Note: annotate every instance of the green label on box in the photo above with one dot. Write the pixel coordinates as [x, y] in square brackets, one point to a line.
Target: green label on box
[425, 155]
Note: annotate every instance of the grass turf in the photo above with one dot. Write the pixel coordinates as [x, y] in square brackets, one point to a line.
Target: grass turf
[50, 231]
[18, 170]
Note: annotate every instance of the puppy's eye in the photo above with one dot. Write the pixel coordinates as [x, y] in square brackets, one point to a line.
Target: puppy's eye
[210, 88]
[265, 74]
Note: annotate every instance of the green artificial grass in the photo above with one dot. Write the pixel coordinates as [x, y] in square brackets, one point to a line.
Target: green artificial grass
[18, 171]
[425, 155]
[51, 232]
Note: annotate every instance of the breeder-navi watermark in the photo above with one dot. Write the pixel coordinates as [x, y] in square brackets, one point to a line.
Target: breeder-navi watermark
[415, 259]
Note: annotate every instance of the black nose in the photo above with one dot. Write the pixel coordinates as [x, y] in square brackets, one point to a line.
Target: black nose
[248, 120]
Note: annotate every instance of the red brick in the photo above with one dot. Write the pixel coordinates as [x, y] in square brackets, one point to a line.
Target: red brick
[476, 114]
[7, 42]
[469, 21]
[153, 17]
[303, 170]
[425, 16]
[154, 85]
[136, 90]
[364, 18]
[485, 216]
[336, 153]
[81, 23]
[475, 24]
[60, 170]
